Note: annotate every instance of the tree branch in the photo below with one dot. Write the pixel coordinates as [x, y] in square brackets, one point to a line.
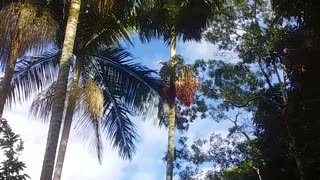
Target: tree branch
[252, 99]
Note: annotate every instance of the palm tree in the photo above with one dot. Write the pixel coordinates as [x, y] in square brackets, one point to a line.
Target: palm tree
[131, 82]
[25, 27]
[93, 30]
[103, 8]
[171, 20]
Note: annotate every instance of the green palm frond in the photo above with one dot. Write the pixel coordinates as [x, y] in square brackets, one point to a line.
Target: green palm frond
[163, 113]
[119, 128]
[32, 74]
[89, 128]
[95, 30]
[102, 7]
[127, 87]
[137, 82]
[187, 18]
[41, 106]
[97, 140]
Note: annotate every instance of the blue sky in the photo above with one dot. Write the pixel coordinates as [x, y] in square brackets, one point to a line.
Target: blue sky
[147, 164]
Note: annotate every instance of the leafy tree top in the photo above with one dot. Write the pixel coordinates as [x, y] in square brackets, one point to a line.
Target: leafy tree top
[12, 145]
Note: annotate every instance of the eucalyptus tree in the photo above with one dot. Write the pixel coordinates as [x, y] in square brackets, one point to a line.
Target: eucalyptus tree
[172, 20]
[25, 27]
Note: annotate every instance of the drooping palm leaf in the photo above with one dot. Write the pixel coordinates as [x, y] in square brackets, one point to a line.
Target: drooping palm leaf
[32, 74]
[119, 128]
[123, 80]
[94, 30]
[138, 82]
[92, 135]
[126, 87]
[41, 106]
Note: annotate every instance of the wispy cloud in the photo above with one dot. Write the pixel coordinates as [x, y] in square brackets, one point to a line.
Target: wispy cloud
[192, 51]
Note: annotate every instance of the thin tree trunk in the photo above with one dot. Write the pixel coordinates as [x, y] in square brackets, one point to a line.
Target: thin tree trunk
[6, 82]
[256, 169]
[67, 125]
[258, 172]
[61, 89]
[172, 111]
[285, 114]
[265, 74]
[12, 61]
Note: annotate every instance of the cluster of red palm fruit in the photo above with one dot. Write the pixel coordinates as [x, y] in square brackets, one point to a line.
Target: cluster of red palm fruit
[186, 88]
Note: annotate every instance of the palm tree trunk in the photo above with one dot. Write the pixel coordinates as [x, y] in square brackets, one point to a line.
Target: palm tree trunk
[67, 125]
[12, 61]
[61, 89]
[6, 82]
[172, 111]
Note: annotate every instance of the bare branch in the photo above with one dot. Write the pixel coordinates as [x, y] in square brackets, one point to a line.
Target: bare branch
[252, 99]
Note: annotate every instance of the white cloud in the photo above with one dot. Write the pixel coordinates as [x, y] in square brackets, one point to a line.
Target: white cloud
[192, 51]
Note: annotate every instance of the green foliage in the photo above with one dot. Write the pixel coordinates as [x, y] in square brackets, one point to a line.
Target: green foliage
[233, 157]
[12, 145]
[187, 18]
[275, 84]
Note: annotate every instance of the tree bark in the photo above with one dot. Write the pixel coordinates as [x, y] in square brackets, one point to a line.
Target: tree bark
[67, 125]
[12, 61]
[172, 111]
[6, 82]
[285, 115]
[61, 89]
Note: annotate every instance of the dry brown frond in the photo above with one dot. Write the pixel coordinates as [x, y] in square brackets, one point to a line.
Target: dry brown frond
[26, 25]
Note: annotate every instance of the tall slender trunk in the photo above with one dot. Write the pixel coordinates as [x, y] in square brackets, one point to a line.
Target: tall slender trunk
[172, 110]
[61, 89]
[12, 61]
[67, 125]
[6, 82]
[285, 115]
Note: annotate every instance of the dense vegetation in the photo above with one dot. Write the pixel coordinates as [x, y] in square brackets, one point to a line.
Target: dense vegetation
[270, 93]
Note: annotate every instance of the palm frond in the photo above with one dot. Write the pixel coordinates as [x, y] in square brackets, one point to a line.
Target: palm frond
[151, 20]
[163, 113]
[32, 74]
[108, 72]
[41, 106]
[136, 82]
[188, 19]
[119, 128]
[95, 30]
[102, 7]
[89, 128]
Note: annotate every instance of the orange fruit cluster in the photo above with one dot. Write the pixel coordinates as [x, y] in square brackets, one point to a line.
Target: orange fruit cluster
[185, 90]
